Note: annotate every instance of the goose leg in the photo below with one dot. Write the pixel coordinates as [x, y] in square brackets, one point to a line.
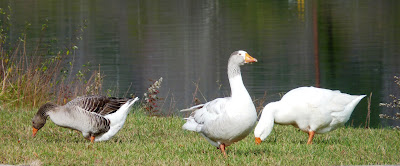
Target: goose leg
[310, 136]
[92, 139]
[222, 148]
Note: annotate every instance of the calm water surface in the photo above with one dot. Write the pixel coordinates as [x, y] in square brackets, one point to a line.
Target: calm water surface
[188, 43]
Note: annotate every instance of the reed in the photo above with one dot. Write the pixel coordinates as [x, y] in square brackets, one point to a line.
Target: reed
[368, 118]
[30, 77]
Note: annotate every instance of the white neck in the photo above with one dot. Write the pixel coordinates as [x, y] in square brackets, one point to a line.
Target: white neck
[266, 122]
[237, 87]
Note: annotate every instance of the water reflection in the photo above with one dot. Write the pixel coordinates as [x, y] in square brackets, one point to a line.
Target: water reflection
[188, 44]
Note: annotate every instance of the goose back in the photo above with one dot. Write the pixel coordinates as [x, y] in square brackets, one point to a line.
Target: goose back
[99, 104]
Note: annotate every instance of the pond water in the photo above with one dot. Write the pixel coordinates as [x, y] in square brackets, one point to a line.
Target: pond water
[352, 46]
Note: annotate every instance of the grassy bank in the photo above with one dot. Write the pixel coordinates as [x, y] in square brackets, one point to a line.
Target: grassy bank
[148, 140]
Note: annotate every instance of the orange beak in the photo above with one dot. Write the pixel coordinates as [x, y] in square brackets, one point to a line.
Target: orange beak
[258, 140]
[249, 59]
[34, 131]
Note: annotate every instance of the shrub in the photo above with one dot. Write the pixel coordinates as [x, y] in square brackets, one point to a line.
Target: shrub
[151, 98]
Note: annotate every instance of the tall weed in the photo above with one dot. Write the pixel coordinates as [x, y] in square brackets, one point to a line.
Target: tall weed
[31, 77]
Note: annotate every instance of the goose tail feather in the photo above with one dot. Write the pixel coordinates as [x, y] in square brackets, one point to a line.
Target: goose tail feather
[196, 107]
[191, 125]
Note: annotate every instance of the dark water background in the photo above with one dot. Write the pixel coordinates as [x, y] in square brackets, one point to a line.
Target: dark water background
[349, 45]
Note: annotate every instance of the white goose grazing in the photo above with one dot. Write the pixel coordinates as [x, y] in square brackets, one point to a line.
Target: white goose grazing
[312, 110]
[224, 121]
[98, 117]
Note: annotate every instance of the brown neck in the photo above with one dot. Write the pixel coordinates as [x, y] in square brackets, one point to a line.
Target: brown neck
[45, 108]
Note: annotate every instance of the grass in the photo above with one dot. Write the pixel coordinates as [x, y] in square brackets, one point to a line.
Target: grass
[148, 140]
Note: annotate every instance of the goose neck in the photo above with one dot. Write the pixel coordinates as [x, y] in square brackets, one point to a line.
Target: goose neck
[233, 69]
[44, 109]
[266, 122]
[237, 87]
[235, 79]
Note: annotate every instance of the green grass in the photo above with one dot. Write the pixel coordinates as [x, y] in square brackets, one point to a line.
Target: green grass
[161, 141]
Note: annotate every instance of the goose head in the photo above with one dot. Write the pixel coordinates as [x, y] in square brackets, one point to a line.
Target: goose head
[260, 136]
[237, 59]
[266, 122]
[39, 120]
[260, 133]
[241, 57]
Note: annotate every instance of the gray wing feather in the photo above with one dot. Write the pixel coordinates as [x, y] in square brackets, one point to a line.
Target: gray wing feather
[99, 104]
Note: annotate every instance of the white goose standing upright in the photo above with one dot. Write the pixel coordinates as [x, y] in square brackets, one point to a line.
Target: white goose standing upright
[312, 110]
[98, 117]
[224, 121]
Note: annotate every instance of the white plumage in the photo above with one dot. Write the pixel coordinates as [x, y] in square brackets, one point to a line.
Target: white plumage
[224, 121]
[312, 110]
[117, 120]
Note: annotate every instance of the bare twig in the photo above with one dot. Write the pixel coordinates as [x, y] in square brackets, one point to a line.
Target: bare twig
[368, 118]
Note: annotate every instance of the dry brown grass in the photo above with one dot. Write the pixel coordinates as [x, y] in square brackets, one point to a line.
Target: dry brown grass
[30, 77]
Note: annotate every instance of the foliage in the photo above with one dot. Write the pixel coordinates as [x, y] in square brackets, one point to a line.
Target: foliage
[34, 73]
[395, 104]
[151, 98]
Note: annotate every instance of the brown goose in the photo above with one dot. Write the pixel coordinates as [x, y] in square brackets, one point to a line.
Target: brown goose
[98, 117]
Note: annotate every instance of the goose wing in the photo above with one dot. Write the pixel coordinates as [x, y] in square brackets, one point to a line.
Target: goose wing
[204, 113]
[99, 104]
[318, 99]
[211, 110]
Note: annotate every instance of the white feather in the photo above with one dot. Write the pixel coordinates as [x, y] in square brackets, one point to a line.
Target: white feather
[225, 120]
[117, 120]
[309, 109]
